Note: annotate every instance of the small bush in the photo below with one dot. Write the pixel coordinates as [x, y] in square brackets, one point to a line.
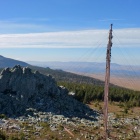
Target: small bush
[2, 136]
[3, 116]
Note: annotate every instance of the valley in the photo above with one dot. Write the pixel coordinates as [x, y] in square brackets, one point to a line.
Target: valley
[127, 82]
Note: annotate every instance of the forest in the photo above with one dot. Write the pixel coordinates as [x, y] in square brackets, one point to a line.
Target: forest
[87, 93]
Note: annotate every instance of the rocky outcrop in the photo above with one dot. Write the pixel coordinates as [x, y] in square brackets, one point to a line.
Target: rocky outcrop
[23, 92]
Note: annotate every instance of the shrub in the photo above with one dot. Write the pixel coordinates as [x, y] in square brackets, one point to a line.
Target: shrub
[2, 135]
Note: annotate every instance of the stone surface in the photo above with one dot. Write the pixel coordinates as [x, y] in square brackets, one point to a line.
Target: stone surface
[23, 93]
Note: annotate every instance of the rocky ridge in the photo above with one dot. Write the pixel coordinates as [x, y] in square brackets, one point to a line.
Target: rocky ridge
[23, 92]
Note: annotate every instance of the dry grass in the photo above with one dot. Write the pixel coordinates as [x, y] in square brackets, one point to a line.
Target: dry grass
[114, 107]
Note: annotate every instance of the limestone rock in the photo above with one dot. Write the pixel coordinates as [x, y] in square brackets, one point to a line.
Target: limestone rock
[21, 89]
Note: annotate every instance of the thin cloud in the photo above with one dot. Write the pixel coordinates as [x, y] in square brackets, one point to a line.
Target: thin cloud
[71, 39]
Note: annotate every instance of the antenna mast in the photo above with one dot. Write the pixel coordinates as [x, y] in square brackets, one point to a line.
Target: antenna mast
[107, 81]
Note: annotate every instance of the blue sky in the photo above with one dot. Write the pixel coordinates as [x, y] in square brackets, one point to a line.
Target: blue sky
[70, 30]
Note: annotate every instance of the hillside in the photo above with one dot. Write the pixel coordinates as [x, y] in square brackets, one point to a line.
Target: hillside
[58, 74]
[40, 109]
[8, 62]
[61, 75]
[35, 98]
[79, 72]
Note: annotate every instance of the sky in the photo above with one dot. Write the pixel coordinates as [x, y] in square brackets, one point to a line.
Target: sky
[70, 30]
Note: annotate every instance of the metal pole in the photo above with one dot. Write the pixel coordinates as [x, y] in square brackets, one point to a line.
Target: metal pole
[107, 81]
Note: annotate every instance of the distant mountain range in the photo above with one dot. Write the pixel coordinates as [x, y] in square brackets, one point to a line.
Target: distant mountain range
[92, 68]
[77, 67]
[8, 62]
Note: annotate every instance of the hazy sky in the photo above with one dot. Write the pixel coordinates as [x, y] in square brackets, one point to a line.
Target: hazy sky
[70, 30]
